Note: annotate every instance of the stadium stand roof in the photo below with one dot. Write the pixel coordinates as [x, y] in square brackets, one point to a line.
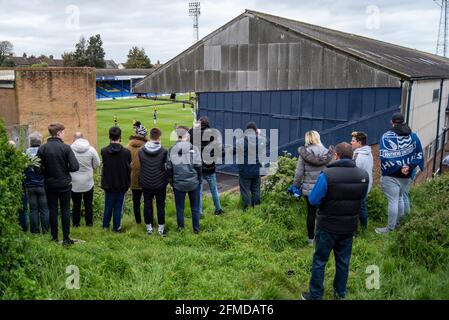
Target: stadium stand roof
[123, 72]
[401, 62]
[398, 59]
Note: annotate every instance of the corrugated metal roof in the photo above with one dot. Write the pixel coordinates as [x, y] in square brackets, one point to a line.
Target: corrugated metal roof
[124, 72]
[404, 61]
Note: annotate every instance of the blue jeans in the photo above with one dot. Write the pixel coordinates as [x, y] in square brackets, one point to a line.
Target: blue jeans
[406, 198]
[23, 216]
[39, 213]
[113, 207]
[212, 181]
[342, 247]
[364, 214]
[194, 198]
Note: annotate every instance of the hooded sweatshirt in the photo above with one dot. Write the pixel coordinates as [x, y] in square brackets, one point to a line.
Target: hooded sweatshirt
[400, 147]
[153, 172]
[311, 161]
[364, 160]
[135, 144]
[88, 159]
[184, 166]
[116, 172]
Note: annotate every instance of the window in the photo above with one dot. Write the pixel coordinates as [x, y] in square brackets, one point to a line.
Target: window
[436, 95]
[430, 151]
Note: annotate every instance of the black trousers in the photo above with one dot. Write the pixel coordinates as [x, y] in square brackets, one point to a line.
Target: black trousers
[63, 199]
[88, 198]
[137, 199]
[311, 217]
[148, 196]
[250, 191]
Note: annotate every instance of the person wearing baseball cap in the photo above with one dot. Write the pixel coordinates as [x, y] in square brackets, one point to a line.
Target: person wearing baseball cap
[400, 154]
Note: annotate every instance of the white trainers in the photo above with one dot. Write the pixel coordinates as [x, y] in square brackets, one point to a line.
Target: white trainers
[160, 230]
[149, 229]
[310, 242]
[382, 230]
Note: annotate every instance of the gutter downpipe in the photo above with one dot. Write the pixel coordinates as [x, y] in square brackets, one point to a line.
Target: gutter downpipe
[438, 127]
[409, 100]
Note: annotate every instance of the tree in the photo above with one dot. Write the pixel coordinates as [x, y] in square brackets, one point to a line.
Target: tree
[95, 52]
[137, 59]
[68, 59]
[87, 54]
[80, 54]
[6, 50]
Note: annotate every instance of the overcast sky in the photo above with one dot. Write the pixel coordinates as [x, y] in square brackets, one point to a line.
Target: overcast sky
[164, 28]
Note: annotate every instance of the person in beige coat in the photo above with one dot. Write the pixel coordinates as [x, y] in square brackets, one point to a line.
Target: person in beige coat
[312, 159]
[136, 142]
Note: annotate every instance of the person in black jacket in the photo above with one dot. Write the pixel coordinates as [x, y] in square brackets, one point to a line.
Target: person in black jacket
[115, 179]
[57, 161]
[153, 179]
[339, 192]
[208, 165]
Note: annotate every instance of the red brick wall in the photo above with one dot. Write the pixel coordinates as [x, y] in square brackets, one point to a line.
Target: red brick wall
[65, 95]
[8, 107]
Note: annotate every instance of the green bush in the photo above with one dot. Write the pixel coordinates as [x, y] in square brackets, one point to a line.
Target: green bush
[13, 244]
[424, 239]
[377, 205]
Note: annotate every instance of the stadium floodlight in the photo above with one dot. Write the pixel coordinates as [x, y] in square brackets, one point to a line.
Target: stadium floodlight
[195, 11]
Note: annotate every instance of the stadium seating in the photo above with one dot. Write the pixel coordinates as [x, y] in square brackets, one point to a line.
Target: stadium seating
[113, 90]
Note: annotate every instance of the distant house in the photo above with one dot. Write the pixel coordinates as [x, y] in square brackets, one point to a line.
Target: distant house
[27, 62]
[110, 64]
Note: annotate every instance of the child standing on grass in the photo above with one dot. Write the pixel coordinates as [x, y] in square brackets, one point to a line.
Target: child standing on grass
[154, 179]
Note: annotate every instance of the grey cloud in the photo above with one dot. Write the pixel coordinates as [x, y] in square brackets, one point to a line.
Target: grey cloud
[164, 28]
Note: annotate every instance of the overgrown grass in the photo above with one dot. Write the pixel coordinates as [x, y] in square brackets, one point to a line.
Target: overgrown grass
[261, 254]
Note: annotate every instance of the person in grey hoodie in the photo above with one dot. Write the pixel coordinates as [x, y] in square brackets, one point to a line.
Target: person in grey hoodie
[312, 159]
[83, 180]
[185, 175]
[363, 158]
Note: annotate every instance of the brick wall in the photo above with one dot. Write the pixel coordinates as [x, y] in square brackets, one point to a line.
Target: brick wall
[65, 95]
[8, 106]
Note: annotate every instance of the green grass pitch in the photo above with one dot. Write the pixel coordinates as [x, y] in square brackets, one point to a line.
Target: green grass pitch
[142, 110]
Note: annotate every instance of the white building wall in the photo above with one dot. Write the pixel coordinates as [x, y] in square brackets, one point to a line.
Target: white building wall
[424, 111]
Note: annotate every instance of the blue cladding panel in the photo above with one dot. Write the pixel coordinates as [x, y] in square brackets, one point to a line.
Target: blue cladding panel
[334, 113]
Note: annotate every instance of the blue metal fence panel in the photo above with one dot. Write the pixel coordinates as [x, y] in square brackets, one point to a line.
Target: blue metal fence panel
[334, 113]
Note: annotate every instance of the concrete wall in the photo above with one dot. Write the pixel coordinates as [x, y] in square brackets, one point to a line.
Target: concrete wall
[424, 111]
[65, 95]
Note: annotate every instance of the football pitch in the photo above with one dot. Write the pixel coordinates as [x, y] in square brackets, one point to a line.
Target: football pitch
[169, 115]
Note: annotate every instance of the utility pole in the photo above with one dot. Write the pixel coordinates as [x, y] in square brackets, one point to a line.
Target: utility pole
[442, 43]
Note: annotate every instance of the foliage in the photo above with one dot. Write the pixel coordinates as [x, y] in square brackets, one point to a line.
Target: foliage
[424, 236]
[40, 65]
[13, 245]
[6, 49]
[138, 59]
[86, 54]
